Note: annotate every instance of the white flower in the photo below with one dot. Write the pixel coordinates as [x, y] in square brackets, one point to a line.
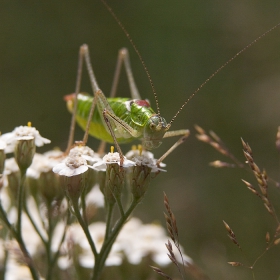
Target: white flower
[30, 237]
[77, 162]
[95, 196]
[10, 166]
[3, 144]
[5, 198]
[150, 162]
[11, 175]
[109, 159]
[16, 271]
[81, 150]
[57, 235]
[23, 133]
[43, 163]
[75, 236]
[138, 240]
[135, 241]
[136, 152]
[143, 157]
[72, 166]
[86, 153]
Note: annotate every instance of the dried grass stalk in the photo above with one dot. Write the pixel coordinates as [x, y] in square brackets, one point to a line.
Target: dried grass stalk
[231, 235]
[160, 272]
[235, 263]
[215, 141]
[261, 177]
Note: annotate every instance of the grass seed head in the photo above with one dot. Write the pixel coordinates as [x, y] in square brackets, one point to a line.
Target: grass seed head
[235, 263]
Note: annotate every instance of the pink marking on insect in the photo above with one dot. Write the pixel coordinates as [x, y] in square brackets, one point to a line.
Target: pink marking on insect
[143, 103]
[69, 97]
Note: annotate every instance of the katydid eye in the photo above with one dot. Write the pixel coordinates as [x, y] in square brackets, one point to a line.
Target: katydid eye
[152, 126]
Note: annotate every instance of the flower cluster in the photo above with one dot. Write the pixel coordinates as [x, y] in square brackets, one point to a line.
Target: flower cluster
[135, 242]
[50, 204]
[22, 133]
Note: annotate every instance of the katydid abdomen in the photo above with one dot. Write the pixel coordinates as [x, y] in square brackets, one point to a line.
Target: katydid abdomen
[134, 113]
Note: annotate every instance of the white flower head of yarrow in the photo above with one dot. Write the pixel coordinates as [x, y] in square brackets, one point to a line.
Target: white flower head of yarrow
[74, 170]
[43, 163]
[40, 176]
[23, 133]
[85, 152]
[135, 242]
[111, 158]
[138, 150]
[72, 165]
[152, 163]
[3, 144]
[142, 157]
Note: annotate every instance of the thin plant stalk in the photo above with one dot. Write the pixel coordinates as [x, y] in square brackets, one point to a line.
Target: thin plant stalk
[108, 220]
[26, 210]
[17, 236]
[56, 255]
[84, 227]
[83, 204]
[20, 201]
[107, 245]
[49, 243]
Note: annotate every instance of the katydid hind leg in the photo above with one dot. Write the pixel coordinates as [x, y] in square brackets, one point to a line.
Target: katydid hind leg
[100, 100]
[123, 58]
[83, 55]
[77, 89]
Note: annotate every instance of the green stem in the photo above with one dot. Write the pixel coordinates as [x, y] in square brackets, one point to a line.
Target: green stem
[108, 221]
[61, 241]
[4, 265]
[119, 202]
[84, 227]
[49, 243]
[34, 225]
[107, 245]
[83, 204]
[20, 201]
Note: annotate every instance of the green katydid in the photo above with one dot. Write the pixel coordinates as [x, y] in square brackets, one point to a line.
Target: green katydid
[120, 120]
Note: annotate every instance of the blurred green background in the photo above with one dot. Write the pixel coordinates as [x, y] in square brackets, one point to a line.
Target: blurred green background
[182, 42]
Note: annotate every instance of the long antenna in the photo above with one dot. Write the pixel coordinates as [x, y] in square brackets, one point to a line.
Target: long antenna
[219, 69]
[203, 84]
[136, 50]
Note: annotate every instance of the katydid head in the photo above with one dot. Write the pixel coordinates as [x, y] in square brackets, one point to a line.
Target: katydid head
[154, 131]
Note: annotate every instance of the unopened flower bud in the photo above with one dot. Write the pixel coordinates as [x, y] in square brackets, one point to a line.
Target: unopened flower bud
[114, 182]
[140, 179]
[101, 180]
[13, 179]
[74, 185]
[24, 152]
[49, 185]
